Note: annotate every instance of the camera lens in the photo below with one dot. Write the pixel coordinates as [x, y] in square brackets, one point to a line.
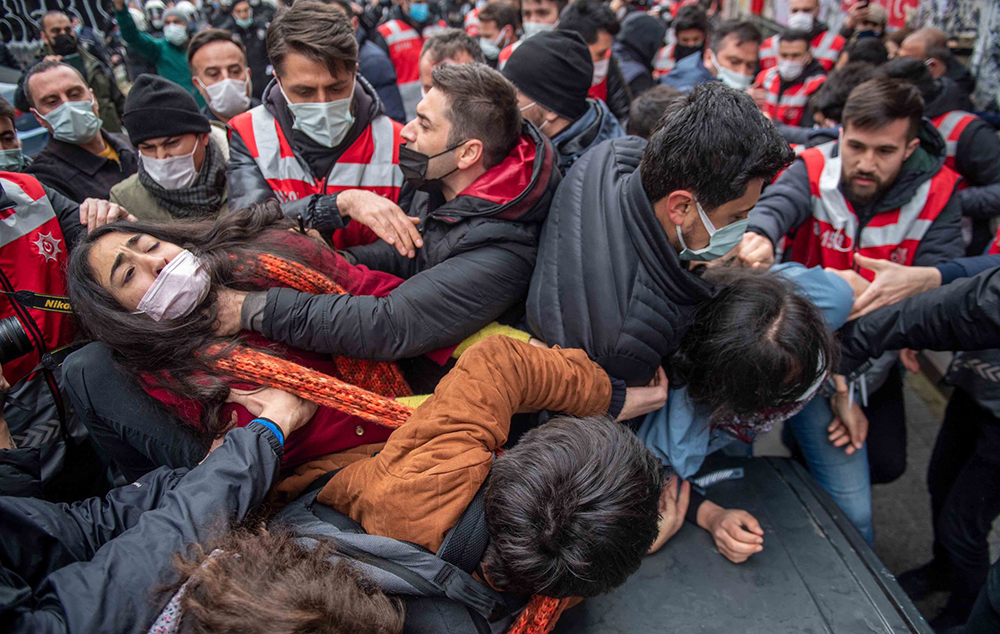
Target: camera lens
[14, 342]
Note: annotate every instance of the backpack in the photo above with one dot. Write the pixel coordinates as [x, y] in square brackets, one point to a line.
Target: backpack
[438, 589]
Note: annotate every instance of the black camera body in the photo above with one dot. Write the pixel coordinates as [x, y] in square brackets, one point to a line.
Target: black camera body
[14, 341]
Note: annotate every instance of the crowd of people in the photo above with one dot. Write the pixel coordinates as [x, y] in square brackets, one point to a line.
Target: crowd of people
[342, 318]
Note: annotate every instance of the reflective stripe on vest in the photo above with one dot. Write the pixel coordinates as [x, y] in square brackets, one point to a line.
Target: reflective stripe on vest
[828, 238]
[789, 105]
[950, 126]
[664, 62]
[506, 53]
[471, 22]
[825, 48]
[404, 49]
[371, 162]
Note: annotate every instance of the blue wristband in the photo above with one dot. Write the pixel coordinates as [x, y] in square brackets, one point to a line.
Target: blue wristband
[270, 424]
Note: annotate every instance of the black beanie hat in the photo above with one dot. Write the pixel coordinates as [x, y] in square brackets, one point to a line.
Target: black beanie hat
[157, 107]
[553, 68]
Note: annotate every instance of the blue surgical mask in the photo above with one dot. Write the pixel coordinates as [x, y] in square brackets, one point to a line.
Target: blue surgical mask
[74, 122]
[325, 123]
[11, 160]
[721, 241]
[534, 28]
[244, 23]
[419, 11]
[175, 33]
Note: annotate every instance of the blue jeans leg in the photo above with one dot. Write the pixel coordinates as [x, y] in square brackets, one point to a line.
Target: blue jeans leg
[845, 478]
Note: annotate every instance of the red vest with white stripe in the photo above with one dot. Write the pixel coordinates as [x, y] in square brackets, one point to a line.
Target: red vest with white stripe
[831, 237]
[787, 107]
[664, 62]
[950, 126]
[506, 53]
[33, 256]
[405, 44]
[370, 163]
[471, 22]
[825, 48]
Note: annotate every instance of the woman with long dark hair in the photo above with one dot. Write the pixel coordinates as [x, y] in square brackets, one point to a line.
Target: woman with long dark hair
[149, 292]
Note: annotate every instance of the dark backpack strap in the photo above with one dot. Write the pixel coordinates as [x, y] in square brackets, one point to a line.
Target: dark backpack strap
[466, 542]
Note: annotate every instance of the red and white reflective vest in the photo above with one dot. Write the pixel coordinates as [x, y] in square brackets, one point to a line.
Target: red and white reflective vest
[950, 126]
[405, 44]
[825, 48]
[471, 22]
[370, 163]
[600, 89]
[33, 256]
[787, 107]
[831, 237]
[995, 245]
[664, 62]
[506, 53]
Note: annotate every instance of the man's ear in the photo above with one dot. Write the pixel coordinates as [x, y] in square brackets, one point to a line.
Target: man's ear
[911, 147]
[470, 154]
[204, 139]
[42, 122]
[678, 205]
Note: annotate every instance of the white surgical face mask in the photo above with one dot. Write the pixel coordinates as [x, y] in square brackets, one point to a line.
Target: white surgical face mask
[74, 122]
[600, 71]
[720, 242]
[325, 123]
[790, 70]
[534, 28]
[731, 78]
[801, 21]
[175, 172]
[491, 48]
[227, 97]
[176, 34]
[180, 287]
[11, 160]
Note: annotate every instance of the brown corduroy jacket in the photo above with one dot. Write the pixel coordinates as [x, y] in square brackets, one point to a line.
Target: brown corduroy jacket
[421, 480]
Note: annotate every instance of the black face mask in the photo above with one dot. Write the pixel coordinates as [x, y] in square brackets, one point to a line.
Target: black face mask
[413, 164]
[64, 44]
[680, 52]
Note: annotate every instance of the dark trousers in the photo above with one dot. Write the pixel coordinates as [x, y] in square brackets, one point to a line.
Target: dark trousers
[130, 425]
[887, 430]
[985, 617]
[964, 483]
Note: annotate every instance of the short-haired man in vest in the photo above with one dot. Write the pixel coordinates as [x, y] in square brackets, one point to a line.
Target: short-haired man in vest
[406, 27]
[971, 145]
[880, 192]
[803, 15]
[784, 90]
[479, 181]
[320, 131]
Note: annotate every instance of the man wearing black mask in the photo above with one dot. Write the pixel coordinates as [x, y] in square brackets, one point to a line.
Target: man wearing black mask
[479, 181]
[61, 44]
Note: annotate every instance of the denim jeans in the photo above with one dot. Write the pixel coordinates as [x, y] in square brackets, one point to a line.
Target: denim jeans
[845, 478]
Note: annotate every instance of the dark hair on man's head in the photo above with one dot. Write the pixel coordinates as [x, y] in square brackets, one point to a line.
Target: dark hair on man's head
[867, 49]
[742, 32]
[502, 13]
[880, 101]
[314, 30]
[44, 67]
[571, 509]
[897, 36]
[7, 111]
[206, 37]
[691, 17]
[344, 6]
[482, 105]
[587, 17]
[795, 35]
[648, 108]
[715, 143]
[447, 44]
[829, 100]
[913, 71]
[268, 582]
[940, 53]
[758, 344]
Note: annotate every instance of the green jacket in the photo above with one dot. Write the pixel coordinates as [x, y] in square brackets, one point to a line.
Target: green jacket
[170, 60]
[134, 197]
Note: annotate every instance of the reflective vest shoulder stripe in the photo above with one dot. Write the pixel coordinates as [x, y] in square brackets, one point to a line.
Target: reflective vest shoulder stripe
[506, 53]
[371, 162]
[471, 22]
[769, 53]
[951, 125]
[404, 50]
[829, 240]
[33, 207]
[788, 106]
[664, 61]
[826, 48]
